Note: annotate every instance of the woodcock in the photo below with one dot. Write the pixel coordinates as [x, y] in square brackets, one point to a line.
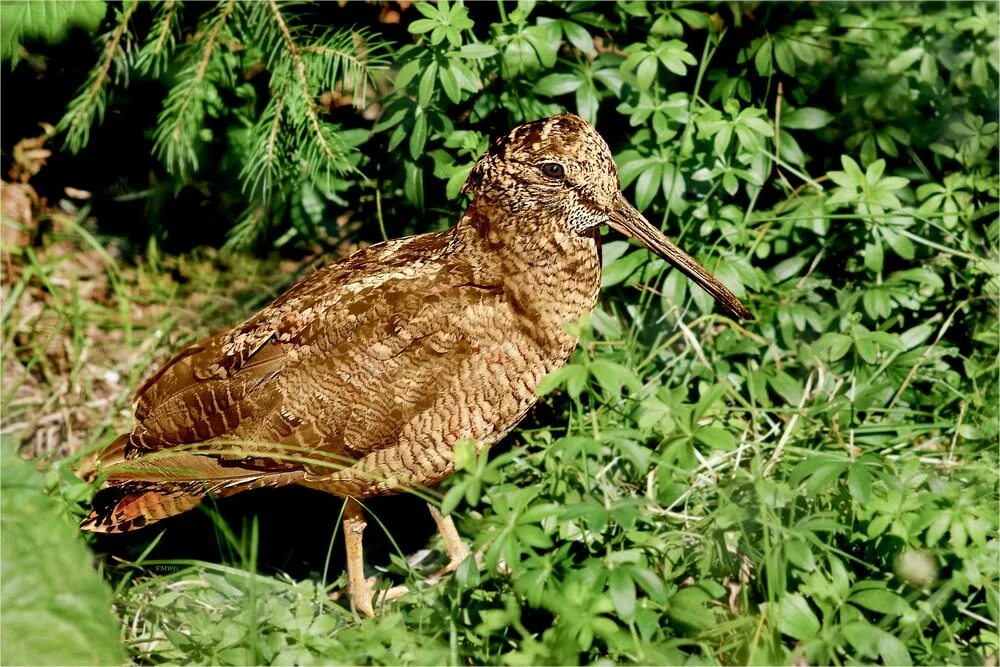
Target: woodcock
[361, 378]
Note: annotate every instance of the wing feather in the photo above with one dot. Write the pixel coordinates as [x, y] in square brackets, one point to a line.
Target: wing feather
[274, 379]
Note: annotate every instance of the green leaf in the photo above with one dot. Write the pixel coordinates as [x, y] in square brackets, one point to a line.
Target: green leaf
[519, 56]
[695, 19]
[881, 600]
[50, 20]
[467, 575]
[651, 583]
[867, 349]
[911, 338]
[788, 268]
[576, 380]
[859, 481]
[893, 651]
[900, 244]
[853, 171]
[648, 185]
[578, 36]
[689, 608]
[56, 609]
[391, 121]
[873, 256]
[573, 376]
[863, 636]
[622, 590]
[788, 387]
[477, 51]
[807, 118]
[716, 438]
[426, 88]
[429, 10]
[421, 26]
[586, 103]
[439, 34]
[545, 39]
[837, 345]
[905, 60]
[612, 376]
[762, 59]
[612, 250]
[675, 57]
[646, 72]
[449, 83]
[452, 498]
[413, 185]
[630, 165]
[558, 84]
[790, 150]
[624, 268]
[418, 136]
[795, 618]
[783, 56]
[800, 555]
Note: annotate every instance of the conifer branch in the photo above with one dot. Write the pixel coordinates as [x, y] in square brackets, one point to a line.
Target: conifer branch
[161, 40]
[300, 71]
[350, 60]
[206, 56]
[184, 109]
[86, 105]
[290, 146]
[272, 140]
[107, 58]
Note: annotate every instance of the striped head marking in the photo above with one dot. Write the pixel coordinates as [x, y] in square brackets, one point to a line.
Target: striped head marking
[560, 171]
[559, 167]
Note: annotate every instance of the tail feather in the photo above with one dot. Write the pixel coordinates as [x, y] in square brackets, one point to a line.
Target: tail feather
[146, 489]
[129, 506]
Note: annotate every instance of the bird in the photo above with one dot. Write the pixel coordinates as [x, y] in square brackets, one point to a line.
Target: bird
[361, 379]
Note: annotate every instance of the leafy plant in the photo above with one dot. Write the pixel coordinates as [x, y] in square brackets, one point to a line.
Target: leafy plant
[49, 587]
[816, 486]
[23, 20]
[289, 154]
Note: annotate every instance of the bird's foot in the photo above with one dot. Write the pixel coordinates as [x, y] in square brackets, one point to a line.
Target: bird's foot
[362, 589]
[361, 595]
[364, 596]
[456, 559]
[394, 593]
[445, 571]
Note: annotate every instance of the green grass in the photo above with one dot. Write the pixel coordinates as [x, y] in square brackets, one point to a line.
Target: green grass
[817, 486]
[81, 329]
[669, 511]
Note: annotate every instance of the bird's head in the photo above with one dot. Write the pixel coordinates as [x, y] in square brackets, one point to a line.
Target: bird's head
[561, 169]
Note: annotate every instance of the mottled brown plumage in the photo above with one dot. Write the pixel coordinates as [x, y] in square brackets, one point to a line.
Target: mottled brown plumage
[360, 379]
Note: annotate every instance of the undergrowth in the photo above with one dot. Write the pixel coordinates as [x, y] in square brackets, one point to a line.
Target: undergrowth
[818, 486]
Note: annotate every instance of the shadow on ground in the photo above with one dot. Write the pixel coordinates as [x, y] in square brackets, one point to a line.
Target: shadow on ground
[295, 528]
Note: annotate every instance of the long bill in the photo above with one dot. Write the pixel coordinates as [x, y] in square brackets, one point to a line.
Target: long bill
[627, 220]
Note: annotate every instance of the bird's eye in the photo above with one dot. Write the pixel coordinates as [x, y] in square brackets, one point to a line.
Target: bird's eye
[552, 170]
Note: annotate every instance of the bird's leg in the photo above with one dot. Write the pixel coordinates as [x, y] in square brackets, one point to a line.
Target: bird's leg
[457, 551]
[359, 588]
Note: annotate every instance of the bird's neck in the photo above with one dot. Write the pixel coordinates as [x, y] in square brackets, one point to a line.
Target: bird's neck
[552, 273]
[528, 232]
